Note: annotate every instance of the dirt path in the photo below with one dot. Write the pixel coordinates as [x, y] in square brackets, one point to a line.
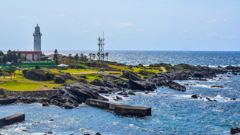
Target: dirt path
[94, 72]
[164, 70]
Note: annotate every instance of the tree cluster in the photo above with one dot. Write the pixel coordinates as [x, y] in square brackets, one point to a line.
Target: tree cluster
[11, 56]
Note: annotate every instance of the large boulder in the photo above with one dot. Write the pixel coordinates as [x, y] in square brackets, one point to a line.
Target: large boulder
[59, 79]
[176, 86]
[83, 81]
[141, 85]
[97, 82]
[38, 75]
[131, 75]
[198, 74]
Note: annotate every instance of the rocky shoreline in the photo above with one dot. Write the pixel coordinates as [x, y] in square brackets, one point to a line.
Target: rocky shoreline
[72, 95]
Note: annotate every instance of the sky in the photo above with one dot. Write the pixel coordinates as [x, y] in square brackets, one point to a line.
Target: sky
[160, 25]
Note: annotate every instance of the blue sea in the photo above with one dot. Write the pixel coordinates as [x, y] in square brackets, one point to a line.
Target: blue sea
[173, 112]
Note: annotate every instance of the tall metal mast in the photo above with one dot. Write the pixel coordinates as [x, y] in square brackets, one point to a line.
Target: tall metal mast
[101, 47]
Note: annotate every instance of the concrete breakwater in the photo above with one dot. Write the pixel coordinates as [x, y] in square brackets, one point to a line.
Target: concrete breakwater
[120, 109]
[12, 119]
[41, 93]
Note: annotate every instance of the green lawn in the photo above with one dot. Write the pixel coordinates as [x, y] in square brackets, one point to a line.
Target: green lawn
[20, 83]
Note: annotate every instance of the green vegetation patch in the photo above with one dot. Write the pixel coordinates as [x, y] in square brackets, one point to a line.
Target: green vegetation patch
[92, 77]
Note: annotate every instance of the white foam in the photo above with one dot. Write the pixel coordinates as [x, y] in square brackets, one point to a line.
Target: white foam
[86, 130]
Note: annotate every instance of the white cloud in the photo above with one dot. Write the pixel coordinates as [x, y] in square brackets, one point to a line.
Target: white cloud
[214, 35]
[61, 15]
[121, 24]
[23, 17]
[215, 20]
[212, 21]
[84, 31]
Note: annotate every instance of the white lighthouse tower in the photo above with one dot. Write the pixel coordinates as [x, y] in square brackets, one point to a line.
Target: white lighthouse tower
[37, 38]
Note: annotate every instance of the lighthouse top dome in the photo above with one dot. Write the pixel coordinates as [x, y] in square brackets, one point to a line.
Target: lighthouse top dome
[37, 26]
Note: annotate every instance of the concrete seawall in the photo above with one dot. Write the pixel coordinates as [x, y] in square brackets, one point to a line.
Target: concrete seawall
[12, 119]
[120, 109]
[42, 93]
[7, 101]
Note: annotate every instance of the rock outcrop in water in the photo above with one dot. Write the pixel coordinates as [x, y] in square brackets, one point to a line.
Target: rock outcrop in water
[67, 97]
[235, 131]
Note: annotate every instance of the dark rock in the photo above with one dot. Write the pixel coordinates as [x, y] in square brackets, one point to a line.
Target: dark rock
[194, 96]
[103, 90]
[83, 81]
[86, 134]
[176, 86]
[216, 86]
[45, 104]
[59, 79]
[233, 99]
[146, 92]
[141, 85]
[235, 131]
[55, 87]
[210, 99]
[198, 74]
[234, 73]
[24, 130]
[38, 75]
[120, 84]
[82, 76]
[97, 82]
[97, 133]
[131, 75]
[105, 79]
[45, 86]
[123, 93]
[49, 132]
[51, 120]
[130, 92]
[118, 98]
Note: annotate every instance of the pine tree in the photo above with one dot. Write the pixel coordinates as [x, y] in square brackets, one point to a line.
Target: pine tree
[56, 56]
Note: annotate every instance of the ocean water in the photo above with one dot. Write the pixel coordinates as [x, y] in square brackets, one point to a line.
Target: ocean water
[211, 58]
[173, 112]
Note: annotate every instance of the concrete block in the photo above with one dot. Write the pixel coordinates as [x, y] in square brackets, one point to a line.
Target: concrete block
[97, 103]
[15, 118]
[2, 122]
[121, 109]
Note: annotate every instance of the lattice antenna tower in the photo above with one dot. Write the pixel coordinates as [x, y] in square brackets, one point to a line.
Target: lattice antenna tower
[103, 39]
[99, 47]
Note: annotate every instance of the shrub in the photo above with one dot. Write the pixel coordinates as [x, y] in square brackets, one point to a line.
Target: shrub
[37, 67]
[144, 72]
